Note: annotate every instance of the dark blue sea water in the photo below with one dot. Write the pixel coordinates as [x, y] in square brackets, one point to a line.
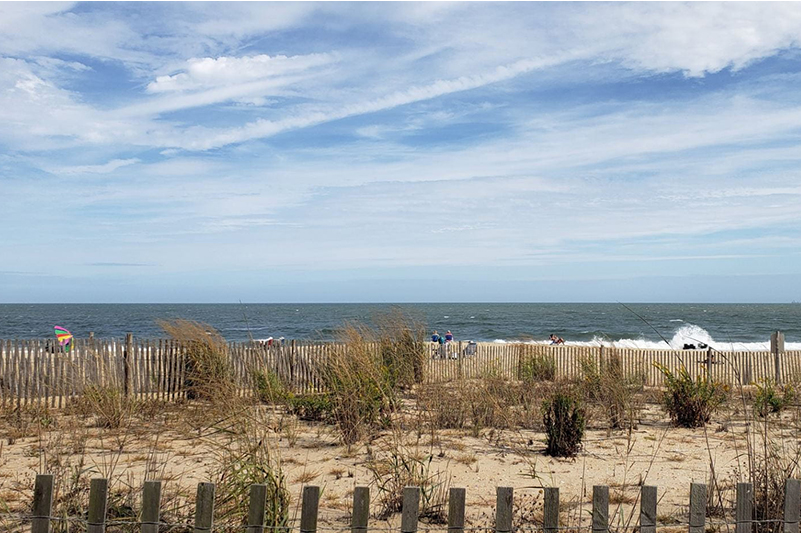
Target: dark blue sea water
[725, 326]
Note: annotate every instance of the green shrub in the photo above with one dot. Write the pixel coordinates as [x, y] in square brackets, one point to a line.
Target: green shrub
[315, 407]
[564, 421]
[269, 388]
[690, 402]
[109, 405]
[771, 398]
[402, 348]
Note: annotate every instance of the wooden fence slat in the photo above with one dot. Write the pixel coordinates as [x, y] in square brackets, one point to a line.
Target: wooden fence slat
[600, 509]
[361, 510]
[744, 510]
[697, 522]
[98, 498]
[151, 503]
[258, 504]
[550, 513]
[42, 503]
[204, 508]
[308, 509]
[456, 497]
[648, 500]
[503, 509]
[410, 510]
[792, 505]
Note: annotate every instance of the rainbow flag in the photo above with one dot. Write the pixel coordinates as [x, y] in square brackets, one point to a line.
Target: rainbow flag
[64, 338]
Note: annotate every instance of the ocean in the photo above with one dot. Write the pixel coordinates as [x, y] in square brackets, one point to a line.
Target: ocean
[723, 326]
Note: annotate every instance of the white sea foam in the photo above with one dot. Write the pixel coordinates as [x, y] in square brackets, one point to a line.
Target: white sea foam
[686, 334]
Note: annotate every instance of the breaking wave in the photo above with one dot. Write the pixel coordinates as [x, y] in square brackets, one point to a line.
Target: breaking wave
[686, 334]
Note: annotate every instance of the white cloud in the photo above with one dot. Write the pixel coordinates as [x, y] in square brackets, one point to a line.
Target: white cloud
[207, 72]
[105, 168]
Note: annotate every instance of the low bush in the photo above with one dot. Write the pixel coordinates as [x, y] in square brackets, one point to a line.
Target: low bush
[564, 420]
[269, 388]
[314, 407]
[771, 398]
[691, 402]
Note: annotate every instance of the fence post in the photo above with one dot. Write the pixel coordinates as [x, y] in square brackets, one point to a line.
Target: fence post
[98, 496]
[361, 510]
[648, 501]
[204, 508]
[550, 513]
[456, 510]
[697, 508]
[708, 365]
[792, 505]
[600, 509]
[126, 363]
[744, 512]
[42, 503]
[258, 501]
[308, 509]
[503, 509]
[410, 510]
[151, 502]
[777, 349]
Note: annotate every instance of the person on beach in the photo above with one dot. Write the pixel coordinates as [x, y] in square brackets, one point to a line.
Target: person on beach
[435, 336]
[556, 340]
[449, 336]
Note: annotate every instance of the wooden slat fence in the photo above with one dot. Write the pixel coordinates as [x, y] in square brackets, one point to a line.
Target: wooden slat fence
[147, 520]
[40, 372]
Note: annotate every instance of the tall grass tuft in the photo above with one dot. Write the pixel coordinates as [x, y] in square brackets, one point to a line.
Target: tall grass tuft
[208, 369]
[606, 385]
[358, 384]
[402, 345]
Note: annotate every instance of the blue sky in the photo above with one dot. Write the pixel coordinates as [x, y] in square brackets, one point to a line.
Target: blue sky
[303, 152]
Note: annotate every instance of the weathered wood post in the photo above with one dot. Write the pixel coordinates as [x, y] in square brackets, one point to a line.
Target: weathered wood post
[600, 509]
[204, 508]
[42, 503]
[126, 363]
[550, 513]
[98, 498]
[648, 499]
[697, 508]
[361, 510]
[792, 505]
[256, 508]
[410, 510]
[456, 510]
[503, 509]
[308, 509]
[777, 349]
[151, 504]
[744, 511]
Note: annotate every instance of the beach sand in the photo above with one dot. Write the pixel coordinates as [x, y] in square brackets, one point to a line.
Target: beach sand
[653, 453]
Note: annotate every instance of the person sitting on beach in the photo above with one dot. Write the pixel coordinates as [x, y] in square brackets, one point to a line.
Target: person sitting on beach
[449, 336]
[435, 336]
[556, 340]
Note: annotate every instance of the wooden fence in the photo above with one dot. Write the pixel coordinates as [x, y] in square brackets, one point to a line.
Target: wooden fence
[147, 520]
[39, 371]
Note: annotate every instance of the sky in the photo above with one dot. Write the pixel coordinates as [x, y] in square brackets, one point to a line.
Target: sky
[397, 152]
